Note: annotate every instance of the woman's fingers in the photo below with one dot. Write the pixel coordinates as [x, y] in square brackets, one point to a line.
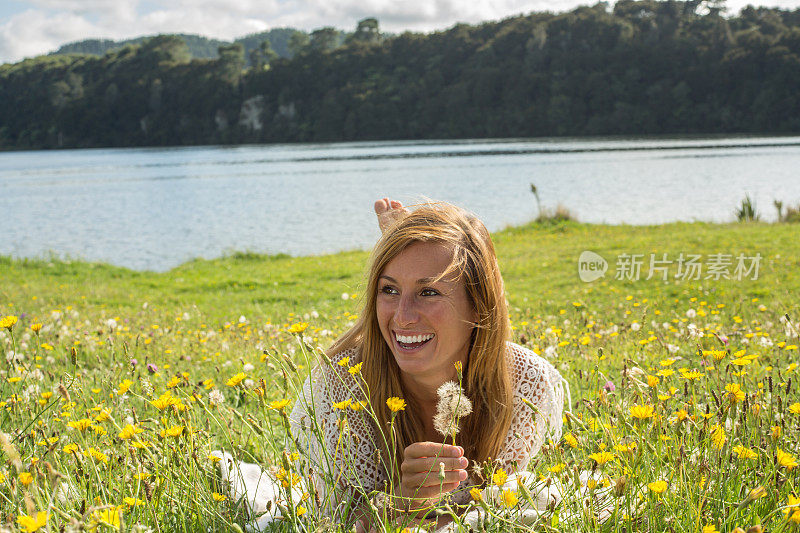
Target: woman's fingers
[432, 449]
[430, 464]
[388, 211]
[433, 479]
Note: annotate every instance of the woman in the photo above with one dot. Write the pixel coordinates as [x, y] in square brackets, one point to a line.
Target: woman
[434, 302]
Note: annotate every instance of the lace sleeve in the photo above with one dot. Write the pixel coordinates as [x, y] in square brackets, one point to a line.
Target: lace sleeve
[536, 381]
[336, 441]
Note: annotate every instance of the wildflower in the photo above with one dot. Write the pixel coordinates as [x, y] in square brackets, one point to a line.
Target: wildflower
[164, 401]
[556, 469]
[665, 372]
[642, 411]
[658, 486]
[235, 380]
[344, 404]
[692, 374]
[735, 392]
[355, 369]
[795, 408]
[174, 431]
[71, 448]
[300, 510]
[358, 406]
[8, 322]
[129, 431]
[744, 453]
[785, 460]
[107, 517]
[499, 477]
[97, 455]
[218, 497]
[609, 386]
[710, 528]
[476, 494]
[775, 431]
[299, 327]
[602, 458]
[396, 404]
[30, 524]
[792, 510]
[81, 425]
[717, 436]
[124, 387]
[36, 328]
[344, 361]
[215, 398]
[132, 502]
[571, 441]
[279, 404]
[509, 498]
[652, 381]
[173, 382]
[25, 478]
[452, 406]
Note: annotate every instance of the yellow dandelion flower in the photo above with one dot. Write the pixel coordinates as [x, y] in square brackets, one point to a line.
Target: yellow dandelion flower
[124, 387]
[717, 434]
[792, 509]
[174, 431]
[666, 362]
[25, 478]
[499, 477]
[279, 404]
[344, 404]
[344, 361]
[785, 459]
[235, 380]
[602, 458]
[775, 431]
[556, 469]
[355, 369]
[571, 441]
[476, 494]
[71, 448]
[300, 510]
[81, 425]
[665, 372]
[658, 486]
[129, 431]
[107, 517]
[173, 382]
[735, 393]
[96, 455]
[29, 524]
[359, 406]
[743, 452]
[299, 327]
[509, 498]
[396, 404]
[8, 322]
[37, 327]
[164, 401]
[692, 374]
[795, 408]
[652, 381]
[642, 411]
[132, 502]
[710, 528]
[218, 497]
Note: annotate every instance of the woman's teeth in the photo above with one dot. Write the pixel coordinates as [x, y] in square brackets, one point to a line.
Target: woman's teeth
[413, 338]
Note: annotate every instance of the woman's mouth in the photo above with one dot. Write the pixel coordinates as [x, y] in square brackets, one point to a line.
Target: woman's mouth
[412, 343]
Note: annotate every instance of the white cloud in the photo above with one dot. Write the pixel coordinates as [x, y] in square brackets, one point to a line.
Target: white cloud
[51, 23]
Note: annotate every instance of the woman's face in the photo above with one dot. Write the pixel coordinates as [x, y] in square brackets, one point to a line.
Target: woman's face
[426, 324]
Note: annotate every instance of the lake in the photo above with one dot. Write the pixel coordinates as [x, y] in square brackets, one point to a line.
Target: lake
[154, 208]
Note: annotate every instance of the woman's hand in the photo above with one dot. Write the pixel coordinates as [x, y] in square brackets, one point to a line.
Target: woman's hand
[388, 211]
[421, 482]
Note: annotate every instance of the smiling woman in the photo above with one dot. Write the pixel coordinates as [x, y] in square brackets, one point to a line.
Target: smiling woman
[434, 313]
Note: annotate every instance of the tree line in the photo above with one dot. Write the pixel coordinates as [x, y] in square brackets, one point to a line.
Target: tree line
[641, 67]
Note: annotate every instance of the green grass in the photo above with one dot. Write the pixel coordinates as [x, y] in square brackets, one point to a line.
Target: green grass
[187, 322]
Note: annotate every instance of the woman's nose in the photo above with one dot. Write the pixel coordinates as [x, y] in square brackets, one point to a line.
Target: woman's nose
[406, 312]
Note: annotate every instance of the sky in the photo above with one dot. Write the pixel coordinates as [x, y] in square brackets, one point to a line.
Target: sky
[33, 27]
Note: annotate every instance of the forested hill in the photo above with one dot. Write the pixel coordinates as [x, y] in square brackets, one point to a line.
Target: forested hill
[199, 46]
[645, 67]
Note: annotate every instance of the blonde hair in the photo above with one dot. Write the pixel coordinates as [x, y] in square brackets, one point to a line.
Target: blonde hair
[486, 375]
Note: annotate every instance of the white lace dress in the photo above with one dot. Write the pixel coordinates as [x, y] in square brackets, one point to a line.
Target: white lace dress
[348, 453]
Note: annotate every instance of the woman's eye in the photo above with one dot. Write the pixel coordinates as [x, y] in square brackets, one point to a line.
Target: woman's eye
[387, 290]
[429, 292]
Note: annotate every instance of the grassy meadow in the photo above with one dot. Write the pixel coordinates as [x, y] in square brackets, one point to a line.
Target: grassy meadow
[116, 385]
